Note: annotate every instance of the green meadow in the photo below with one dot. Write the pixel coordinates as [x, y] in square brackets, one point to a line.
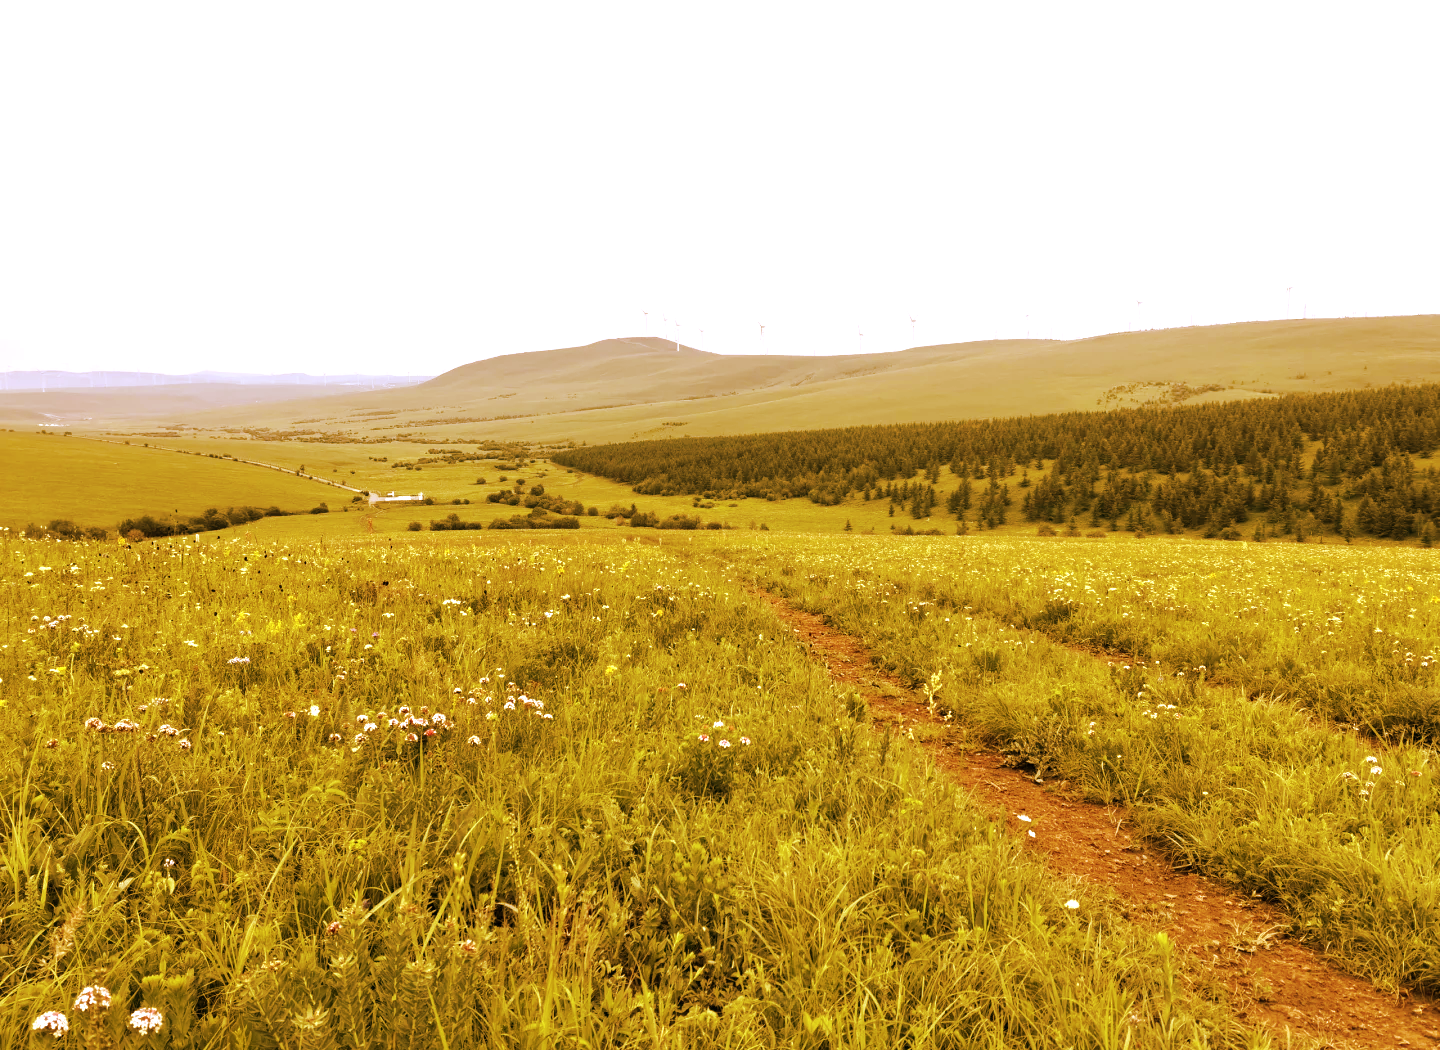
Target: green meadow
[97, 483]
[357, 779]
[105, 492]
[1269, 712]
[466, 791]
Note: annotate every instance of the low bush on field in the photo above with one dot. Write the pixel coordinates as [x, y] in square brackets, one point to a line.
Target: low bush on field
[64, 529]
[533, 521]
[552, 504]
[212, 520]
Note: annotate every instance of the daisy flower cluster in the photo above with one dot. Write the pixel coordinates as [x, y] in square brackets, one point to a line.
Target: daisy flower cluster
[514, 701]
[413, 725]
[721, 735]
[1371, 770]
[99, 726]
[95, 999]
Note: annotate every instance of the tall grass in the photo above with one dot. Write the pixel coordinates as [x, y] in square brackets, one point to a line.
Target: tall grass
[631, 814]
[1219, 729]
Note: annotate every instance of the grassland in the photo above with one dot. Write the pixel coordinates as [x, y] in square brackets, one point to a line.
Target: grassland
[100, 483]
[324, 781]
[370, 466]
[151, 477]
[466, 791]
[1269, 712]
[363, 467]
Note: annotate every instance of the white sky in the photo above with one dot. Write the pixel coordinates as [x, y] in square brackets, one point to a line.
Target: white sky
[356, 187]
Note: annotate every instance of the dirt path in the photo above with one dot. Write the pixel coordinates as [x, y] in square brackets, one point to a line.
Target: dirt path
[1237, 942]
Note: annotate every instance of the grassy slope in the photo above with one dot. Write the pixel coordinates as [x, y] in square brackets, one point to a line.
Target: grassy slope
[96, 483]
[546, 391]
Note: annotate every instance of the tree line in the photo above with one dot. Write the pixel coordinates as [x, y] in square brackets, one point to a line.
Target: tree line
[1330, 462]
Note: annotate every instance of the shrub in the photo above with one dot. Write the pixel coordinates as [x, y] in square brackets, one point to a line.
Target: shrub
[454, 524]
[678, 521]
[322, 509]
[415, 526]
[1045, 530]
[134, 535]
[146, 526]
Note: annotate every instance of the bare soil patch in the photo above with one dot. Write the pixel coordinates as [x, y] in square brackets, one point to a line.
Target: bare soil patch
[1236, 943]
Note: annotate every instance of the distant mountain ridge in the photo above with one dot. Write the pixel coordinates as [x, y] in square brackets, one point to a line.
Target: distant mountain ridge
[52, 379]
[619, 389]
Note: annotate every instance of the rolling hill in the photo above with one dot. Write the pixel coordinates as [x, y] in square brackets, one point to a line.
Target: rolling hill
[620, 389]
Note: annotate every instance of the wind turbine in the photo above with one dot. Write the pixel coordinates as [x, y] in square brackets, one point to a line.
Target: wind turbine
[912, 327]
[1287, 303]
[1138, 304]
[647, 321]
[762, 332]
[677, 337]
[862, 338]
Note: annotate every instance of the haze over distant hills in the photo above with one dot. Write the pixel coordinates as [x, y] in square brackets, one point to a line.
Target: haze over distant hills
[54, 398]
[51, 379]
[622, 388]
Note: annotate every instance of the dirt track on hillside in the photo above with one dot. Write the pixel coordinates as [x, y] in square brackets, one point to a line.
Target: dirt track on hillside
[1238, 942]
